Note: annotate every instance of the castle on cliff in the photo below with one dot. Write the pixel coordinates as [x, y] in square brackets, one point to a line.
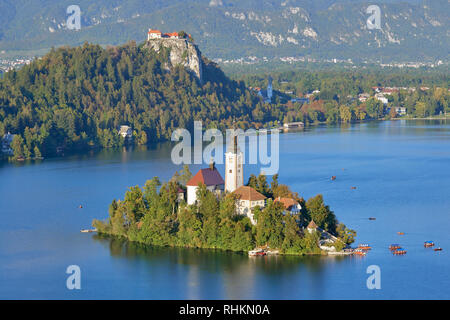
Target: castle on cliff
[157, 34]
[183, 51]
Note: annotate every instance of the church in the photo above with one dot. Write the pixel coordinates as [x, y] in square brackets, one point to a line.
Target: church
[234, 182]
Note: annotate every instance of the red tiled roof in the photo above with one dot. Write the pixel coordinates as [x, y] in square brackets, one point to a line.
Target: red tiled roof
[208, 176]
[154, 31]
[312, 225]
[288, 203]
[172, 34]
[248, 193]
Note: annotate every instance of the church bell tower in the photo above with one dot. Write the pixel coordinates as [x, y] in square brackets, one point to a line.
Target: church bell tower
[234, 173]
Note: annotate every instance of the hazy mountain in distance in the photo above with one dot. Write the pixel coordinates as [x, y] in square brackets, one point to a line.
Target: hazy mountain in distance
[231, 29]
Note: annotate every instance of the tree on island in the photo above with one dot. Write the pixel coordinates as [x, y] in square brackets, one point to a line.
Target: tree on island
[345, 234]
[37, 152]
[321, 214]
[269, 226]
[184, 175]
[392, 113]
[293, 235]
[17, 146]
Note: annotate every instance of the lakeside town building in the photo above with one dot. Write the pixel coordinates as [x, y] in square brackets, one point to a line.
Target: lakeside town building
[382, 98]
[293, 125]
[400, 110]
[6, 143]
[126, 132]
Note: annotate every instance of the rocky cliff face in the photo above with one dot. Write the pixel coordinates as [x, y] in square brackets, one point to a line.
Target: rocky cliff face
[182, 52]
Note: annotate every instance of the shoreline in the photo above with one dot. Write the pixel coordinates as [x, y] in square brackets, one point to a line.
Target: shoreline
[429, 118]
[4, 158]
[280, 253]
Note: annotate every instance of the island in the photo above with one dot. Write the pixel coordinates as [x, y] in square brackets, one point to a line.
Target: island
[206, 211]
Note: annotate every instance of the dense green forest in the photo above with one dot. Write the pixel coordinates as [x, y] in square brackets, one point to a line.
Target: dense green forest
[73, 98]
[155, 216]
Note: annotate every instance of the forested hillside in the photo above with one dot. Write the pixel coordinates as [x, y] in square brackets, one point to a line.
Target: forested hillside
[78, 97]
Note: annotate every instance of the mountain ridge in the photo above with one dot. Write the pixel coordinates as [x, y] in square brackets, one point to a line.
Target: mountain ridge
[230, 29]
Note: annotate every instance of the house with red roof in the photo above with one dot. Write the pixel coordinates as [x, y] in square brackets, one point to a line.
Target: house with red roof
[290, 205]
[173, 35]
[210, 177]
[247, 199]
[389, 91]
[312, 226]
[154, 34]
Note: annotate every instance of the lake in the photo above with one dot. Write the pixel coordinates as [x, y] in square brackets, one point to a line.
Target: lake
[401, 171]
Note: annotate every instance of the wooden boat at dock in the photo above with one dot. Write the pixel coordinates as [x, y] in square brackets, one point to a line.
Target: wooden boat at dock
[359, 252]
[256, 252]
[364, 246]
[399, 251]
[88, 230]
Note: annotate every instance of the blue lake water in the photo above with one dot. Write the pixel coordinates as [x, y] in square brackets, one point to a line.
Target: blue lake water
[401, 171]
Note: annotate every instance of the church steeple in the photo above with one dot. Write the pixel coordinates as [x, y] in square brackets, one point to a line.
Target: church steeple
[234, 171]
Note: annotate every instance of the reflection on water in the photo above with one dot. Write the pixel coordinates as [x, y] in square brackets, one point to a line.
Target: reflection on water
[213, 260]
[240, 276]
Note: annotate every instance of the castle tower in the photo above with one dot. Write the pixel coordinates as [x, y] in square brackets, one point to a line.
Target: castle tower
[234, 171]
